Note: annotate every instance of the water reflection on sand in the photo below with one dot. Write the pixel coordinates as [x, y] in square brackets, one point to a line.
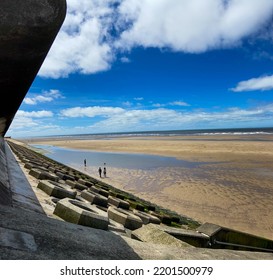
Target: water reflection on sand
[119, 160]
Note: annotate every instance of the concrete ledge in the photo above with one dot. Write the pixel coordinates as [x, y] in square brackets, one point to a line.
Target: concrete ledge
[124, 217]
[226, 238]
[81, 213]
[55, 189]
[5, 192]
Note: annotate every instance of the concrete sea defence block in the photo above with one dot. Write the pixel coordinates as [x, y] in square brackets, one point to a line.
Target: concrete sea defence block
[154, 234]
[81, 213]
[165, 219]
[86, 183]
[98, 189]
[76, 185]
[42, 175]
[64, 176]
[118, 202]
[29, 166]
[94, 198]
[136, 205]
[191, 237]
[52, 169]
[147, 218]
[127, 218]
[56, 189]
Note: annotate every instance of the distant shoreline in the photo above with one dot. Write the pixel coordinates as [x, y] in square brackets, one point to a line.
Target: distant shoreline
[190, 132]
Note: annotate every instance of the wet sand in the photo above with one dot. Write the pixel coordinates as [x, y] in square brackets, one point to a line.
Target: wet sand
[232, 186]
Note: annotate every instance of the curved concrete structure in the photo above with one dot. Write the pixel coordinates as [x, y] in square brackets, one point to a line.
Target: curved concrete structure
[28, 29]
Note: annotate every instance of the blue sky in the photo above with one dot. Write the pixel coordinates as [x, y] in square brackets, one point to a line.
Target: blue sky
[140, 65]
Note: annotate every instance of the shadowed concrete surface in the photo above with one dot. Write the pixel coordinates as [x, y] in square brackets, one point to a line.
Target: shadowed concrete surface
[28, 29]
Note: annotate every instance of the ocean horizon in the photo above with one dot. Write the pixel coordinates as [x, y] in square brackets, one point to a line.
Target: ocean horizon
[186, 132]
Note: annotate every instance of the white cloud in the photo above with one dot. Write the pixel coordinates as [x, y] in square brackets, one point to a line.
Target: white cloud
[261, 83]
[46, 96]
[179, 103]
[125, 59]
[87, 44]
[191, 26]
[20, 123]
[127, 104]
[81, 45]
[77, 112]
[29, 122]
[174, 103]
[119, 120]
[34, 114]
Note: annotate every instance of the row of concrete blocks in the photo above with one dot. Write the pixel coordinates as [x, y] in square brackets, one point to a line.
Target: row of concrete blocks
[82, 185]
[93, 209]
[43, 169]
[34, 161]
[75, 195]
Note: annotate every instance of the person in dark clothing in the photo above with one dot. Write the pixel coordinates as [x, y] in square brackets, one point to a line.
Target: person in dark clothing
[84, 162]
[104, 172]
[100, 171]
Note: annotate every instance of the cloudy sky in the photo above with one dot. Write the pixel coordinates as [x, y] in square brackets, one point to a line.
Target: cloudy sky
[140, 65]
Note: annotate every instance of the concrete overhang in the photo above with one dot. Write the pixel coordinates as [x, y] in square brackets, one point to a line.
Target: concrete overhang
[27, 31]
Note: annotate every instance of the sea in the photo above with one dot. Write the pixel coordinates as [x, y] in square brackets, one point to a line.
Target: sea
[190, 132]
[76, 157]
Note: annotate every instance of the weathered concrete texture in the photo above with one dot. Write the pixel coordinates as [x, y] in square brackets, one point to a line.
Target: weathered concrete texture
[94, 198]
[22, 194]
[17, 240]
[118, 202]
[153, 234]
[125, 217]
[5, 192]
[191, 237]
[28, 29]
[147, 218]
[56, 189]
[81, 213]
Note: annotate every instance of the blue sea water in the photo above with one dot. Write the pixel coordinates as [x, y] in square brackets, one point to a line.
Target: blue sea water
[195, 132]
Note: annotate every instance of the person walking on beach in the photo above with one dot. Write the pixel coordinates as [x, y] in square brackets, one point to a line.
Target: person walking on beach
[104, 172]
[84, 162]
[100, 171]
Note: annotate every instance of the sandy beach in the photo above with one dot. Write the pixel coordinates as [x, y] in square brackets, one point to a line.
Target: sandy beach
[232, 185]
